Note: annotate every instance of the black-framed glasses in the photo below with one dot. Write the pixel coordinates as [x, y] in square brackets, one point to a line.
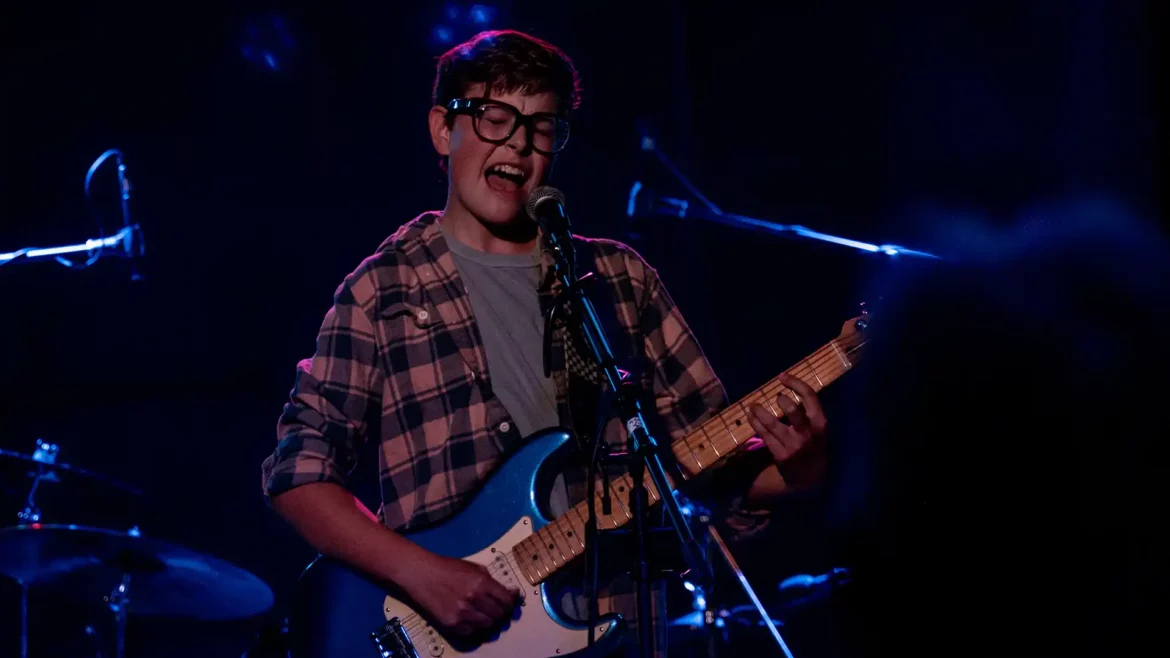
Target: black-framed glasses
[496, 122]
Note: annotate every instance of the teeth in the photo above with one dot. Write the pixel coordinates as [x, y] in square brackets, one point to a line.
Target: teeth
[508, 170]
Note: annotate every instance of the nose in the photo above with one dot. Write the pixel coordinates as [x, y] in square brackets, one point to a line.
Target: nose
[520, 140]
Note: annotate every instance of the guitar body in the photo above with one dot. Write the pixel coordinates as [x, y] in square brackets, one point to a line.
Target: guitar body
[338, 609]
[341, 614]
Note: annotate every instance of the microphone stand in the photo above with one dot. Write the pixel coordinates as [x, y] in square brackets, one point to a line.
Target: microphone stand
[641, 446]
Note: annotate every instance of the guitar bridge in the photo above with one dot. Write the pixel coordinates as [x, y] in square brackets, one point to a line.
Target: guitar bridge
[391, 641]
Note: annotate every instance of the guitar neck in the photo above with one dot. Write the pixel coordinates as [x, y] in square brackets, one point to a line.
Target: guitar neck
[552, 547]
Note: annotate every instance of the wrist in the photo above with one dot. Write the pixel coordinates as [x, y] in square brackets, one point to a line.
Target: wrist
[805, 469]
[404, 561]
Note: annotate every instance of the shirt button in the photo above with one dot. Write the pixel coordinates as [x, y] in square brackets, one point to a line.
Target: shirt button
[423, 315]
[505, 426]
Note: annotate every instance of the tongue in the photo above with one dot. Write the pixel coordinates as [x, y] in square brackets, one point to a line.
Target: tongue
[501, 184]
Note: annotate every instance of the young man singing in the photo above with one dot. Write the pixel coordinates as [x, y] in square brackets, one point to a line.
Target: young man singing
[433, 350]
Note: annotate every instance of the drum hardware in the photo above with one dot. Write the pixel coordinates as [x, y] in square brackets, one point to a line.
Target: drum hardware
[715, 621]
[128, 573]
[45, 454]
[42, 466]
[117, 601]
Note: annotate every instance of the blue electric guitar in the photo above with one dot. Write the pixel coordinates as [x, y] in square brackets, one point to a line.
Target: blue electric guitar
[339, 613]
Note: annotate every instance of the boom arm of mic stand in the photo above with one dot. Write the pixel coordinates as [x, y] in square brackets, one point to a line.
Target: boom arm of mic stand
[126, 242]
[644, 203]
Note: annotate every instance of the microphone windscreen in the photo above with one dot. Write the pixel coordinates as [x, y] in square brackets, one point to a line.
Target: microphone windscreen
[541, 194]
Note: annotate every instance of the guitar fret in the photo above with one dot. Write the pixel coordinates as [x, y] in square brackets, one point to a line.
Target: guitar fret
[844, 361]
[768, 404]
[549, 549]
[549, 545]
[616, 491]
[651, 490]
[554, 546]
[542, 557]
[530, 558]
[520, 551]
[727, 428]
[747, 413]
[709, 441]
[602, 517]
[556, 528]
[547, 559]
[820, 385]
[691, 451]
[739, 422]
[581, 517]
[534, 559]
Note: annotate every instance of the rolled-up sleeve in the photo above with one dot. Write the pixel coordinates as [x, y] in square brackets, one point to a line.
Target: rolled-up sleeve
[335, 396]
[686, 394]
[686, 390]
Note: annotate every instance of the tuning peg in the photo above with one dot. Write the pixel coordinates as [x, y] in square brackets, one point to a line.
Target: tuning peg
[863, 321]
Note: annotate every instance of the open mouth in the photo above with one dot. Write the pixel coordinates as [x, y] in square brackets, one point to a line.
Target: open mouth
[505, 177]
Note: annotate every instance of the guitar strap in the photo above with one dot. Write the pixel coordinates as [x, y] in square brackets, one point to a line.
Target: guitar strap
[590, 399]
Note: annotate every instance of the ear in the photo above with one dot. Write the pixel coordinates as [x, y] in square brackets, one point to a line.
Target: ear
[440, 133]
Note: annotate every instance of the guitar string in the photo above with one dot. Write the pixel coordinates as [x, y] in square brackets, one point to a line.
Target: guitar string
[827, 355]
[414, 622]
[815, 364]
[822, 357]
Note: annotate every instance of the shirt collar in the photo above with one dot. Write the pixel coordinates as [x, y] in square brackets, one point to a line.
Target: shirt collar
[425, 231]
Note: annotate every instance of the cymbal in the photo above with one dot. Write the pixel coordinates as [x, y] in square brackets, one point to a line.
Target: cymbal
[164, 578]
[52, 468]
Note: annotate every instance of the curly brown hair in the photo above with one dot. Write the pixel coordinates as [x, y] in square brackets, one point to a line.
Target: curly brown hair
[506, 61]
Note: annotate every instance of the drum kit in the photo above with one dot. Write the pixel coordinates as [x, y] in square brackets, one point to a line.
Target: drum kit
[720, 629]
[721, 623]
[124, 571]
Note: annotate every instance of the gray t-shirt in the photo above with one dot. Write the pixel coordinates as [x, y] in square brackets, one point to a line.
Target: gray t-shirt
[502, 290]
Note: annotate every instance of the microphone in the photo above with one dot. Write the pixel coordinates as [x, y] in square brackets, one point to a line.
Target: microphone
[546, 206]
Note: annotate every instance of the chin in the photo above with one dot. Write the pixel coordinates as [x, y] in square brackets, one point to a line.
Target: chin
[500, 213]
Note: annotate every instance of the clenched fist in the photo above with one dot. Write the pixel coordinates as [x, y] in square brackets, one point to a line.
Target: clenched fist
[461, 596]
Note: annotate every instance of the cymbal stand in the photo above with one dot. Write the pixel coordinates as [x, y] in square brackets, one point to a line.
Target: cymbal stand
[118, 600]
[46, 453]
[23, 620]
[747, 588]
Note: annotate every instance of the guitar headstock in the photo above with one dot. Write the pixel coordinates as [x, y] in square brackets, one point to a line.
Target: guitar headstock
[853, 333]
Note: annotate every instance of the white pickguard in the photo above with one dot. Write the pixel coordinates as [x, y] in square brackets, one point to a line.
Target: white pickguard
[533, 635]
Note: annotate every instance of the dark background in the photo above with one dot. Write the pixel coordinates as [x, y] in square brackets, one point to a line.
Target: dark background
[259, 184]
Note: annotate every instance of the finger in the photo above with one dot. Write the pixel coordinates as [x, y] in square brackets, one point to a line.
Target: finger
[792, 409]
[808, 395]
[505, 597]
[780, 443]
[767, 419]
[774, 433]
[797, 384]
[488, 605]
[471, 620]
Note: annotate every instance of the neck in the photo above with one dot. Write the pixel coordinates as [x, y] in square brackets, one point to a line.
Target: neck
[515, 237]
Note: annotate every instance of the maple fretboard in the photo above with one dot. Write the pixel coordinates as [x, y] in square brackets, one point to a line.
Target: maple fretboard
[552, 547]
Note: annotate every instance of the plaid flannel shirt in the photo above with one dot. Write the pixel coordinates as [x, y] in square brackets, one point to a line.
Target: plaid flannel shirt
[399, 361]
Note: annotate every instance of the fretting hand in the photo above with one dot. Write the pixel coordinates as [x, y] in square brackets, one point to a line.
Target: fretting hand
[806, 420]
